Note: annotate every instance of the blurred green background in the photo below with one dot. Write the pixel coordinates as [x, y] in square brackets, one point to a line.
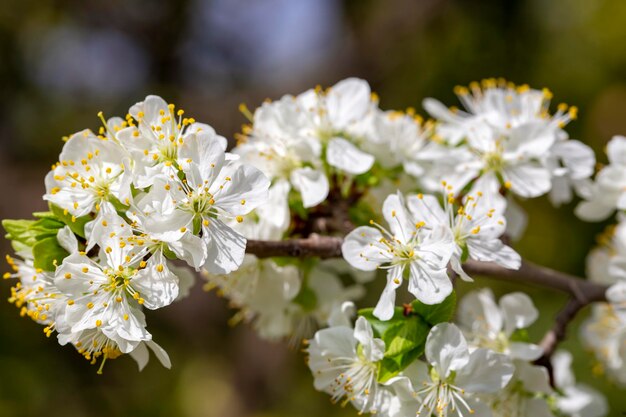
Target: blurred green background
[62, 61]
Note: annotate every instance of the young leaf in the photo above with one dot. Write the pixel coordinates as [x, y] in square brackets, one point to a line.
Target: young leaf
[76, 225]
[47, 252]
[438, 313]
[16, 228]
[410, 335]
[380, 327]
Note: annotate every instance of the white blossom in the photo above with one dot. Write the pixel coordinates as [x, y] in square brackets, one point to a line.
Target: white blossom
[156, 139]
[214, 188]
[344, 363]
[486, 324]
[423, 253]
[528, 394]
[608, 190]
[578, 400]
[476, 227]
[449, 383]
[572, 163]
[108, 293]
[604, 333]
[90, 172]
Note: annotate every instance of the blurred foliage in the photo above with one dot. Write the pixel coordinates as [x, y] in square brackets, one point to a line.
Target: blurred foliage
[64, 60]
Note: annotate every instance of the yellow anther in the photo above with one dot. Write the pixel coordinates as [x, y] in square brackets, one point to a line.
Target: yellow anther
[460, 90]
[68, 275]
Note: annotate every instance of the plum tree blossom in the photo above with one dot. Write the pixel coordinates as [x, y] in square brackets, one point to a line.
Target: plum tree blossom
[324, 197]
[489, 325]
[407, 246]
[344, 364]
[578, 400]
[607, 192]
[448, 384]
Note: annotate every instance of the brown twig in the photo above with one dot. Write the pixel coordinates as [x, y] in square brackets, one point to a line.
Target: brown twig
[558, 332]
[330, 247]
[313, 246]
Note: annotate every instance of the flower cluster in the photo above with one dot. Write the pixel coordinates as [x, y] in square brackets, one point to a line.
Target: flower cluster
[423, 238]
[124, 202]
[480, 367]
[420, 200]
[604, 333]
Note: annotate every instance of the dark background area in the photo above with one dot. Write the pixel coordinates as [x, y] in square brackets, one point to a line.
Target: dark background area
[63, 61]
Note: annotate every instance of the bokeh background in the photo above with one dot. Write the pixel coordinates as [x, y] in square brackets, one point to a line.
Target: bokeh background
[61, 61]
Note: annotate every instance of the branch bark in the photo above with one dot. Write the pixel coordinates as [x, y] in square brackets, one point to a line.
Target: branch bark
[313, 246]
[579, 289]
[558, 332]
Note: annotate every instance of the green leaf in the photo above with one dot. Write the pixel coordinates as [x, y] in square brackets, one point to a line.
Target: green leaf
[44, 215]
[387, 369]
[47, 252]
[409, 335]
[16, 228]
[76, 225]
[438, 313]
[380, 327]
[406, 332]
[29, 232]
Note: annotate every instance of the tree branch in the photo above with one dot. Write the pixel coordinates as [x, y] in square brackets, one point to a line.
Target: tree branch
[313, 246]
[580, 289]
[558, 332]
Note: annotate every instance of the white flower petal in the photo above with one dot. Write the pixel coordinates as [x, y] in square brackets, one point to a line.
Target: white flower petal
[525, 351]
[518, 310]
[360, 248]
[344, 155]
[312, 185]
[225, 247]
[486, 372]
[386, 303]
[528, 179]
[156, 284]
[347, 102]
[446, 349]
